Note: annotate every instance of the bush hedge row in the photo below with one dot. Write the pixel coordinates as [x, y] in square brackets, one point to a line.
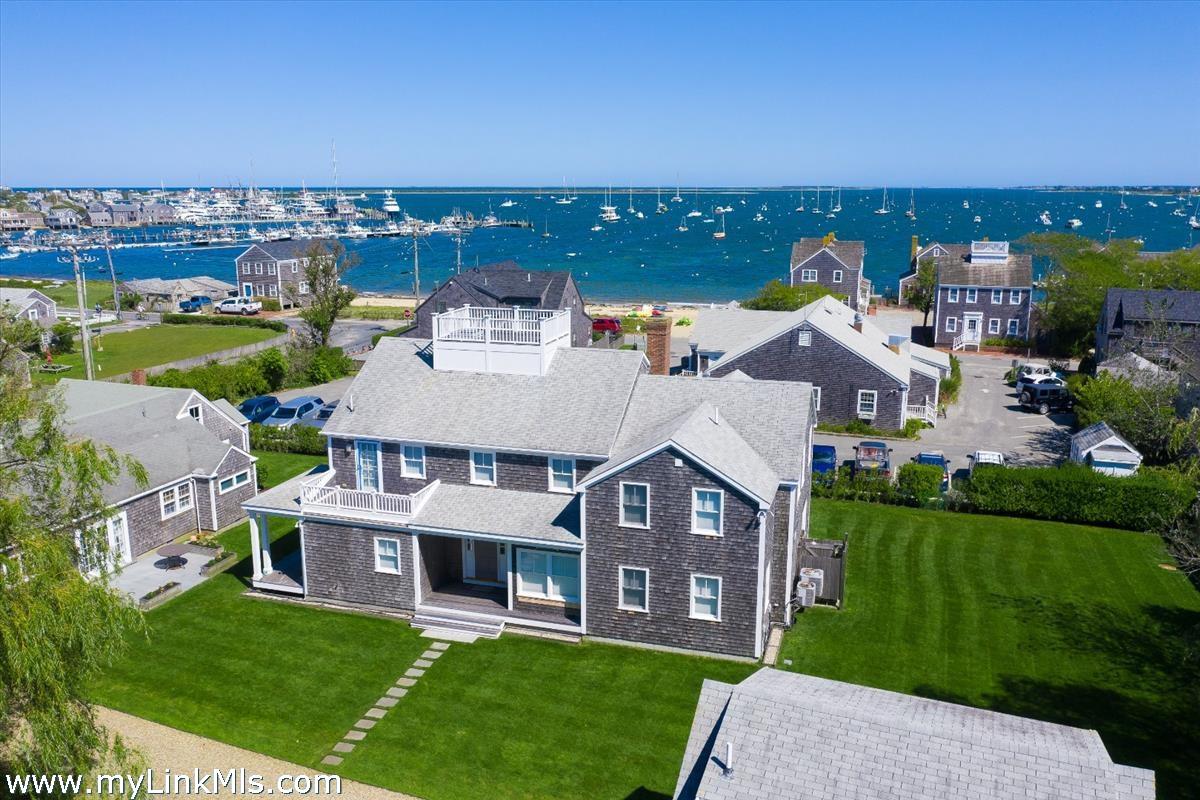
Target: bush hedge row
[223, 319]
[269, 371]
[915, 485]
[296, 439]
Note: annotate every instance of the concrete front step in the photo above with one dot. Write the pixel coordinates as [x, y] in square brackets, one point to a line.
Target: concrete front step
[444, 620]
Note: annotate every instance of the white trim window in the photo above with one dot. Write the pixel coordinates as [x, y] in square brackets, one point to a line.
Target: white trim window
[272, 290]
[804, 338]
[868, 403]
[837, 276]
[808, 276]
[196, 413]
[1014, 327]
[387, 555]
[412, 461]
[707, 509]
[635, 505]
[997, 296]
[270, 269]
[233, 482]
[952, 295]
[302, 288]
[258, 269]
[548, 576]
[483, 468]
[817, 396]
[951, 324]
[295, 267]
[994, 325]
[1014, 297]
[562, 474]
[706, 597]
[972, 295]
[245, 269]
[634, 589]
[175, 500]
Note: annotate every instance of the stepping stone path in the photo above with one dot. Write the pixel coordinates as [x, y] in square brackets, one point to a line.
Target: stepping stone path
[389, 701]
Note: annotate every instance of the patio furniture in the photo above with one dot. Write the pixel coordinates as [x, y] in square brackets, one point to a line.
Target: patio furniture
[173, 556]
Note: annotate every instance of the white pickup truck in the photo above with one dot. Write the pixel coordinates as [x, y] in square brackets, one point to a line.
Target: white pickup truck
[239, 305]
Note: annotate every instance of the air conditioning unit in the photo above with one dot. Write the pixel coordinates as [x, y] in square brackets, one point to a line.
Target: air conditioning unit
[815, 576]
[806, 594]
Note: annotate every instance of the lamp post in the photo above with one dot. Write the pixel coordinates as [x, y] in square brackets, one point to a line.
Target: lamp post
[74, 259]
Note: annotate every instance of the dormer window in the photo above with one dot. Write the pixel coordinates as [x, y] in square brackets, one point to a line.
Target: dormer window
[196, 413]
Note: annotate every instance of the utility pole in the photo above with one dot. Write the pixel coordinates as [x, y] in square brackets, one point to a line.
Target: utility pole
[112, 273]
[83, 328]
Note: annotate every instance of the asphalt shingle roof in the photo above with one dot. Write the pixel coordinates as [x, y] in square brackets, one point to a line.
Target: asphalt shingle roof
[543, 516]
[849, 253]
[287, 249]
[1153, 305]
[798, 736]
[956, 269]
[1095, 435]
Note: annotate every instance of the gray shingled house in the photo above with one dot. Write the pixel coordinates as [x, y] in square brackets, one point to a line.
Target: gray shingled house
[275, 271]
[195, 452]
[1161, 324]
[30, 304]
[496, 476]
[787, 735]
[506, 284]
[855, 369]
[833, 264]
[983, 291]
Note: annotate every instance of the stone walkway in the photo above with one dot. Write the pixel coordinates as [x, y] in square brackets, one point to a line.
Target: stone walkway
[388, 701]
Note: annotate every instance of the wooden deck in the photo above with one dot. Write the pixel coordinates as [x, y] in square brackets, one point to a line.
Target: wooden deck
[288, 576]
[493, 601]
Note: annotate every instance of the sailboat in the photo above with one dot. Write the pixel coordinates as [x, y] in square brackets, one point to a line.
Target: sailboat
[800, 208]
[507, 203]
[831, 213]
[695, 212]
[662, 207]
[816, 209]
[966, 204]
[546, 232]
[564, 200]
[682, 225]
[1122, 206]
[721, 233]
[676, 198]
[912, 205]
[838, 208]
[631, 209]
[884, 209]
[608, 212]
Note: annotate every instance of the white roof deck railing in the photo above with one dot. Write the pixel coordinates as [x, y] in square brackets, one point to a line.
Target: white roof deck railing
[338, 501]
[501, 325]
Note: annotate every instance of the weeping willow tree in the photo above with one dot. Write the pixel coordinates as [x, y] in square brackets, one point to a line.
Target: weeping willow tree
[57, 627]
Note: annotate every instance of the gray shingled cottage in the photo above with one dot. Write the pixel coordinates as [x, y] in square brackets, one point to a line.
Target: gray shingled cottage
[834, 264]
[983, 291]
[495, 476]
[275, 271]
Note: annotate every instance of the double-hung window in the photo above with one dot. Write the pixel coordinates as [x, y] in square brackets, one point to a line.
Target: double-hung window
[548, 576]
[1014, 297]
[837, 276]
[867, 401]
[258, 269]
[302, 288]
[951, 324]
[817, 397]
[993, 325]
[972, 295]
[295, 267]
[706, 597]
[635, 589]
[562, 474]
[808, 275]
[234, 481]
[483, 467]
[175, 500]
[997, 296]
[412, 461]
[1014, 327]
[367, 465]
[707, 505]
[387, 555]
[270, 269]
[635, 505]
[952, 295]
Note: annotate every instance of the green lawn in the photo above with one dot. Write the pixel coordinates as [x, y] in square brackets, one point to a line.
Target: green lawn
[95, 291]
[1059, 622]
[275, 468]
[118, 353]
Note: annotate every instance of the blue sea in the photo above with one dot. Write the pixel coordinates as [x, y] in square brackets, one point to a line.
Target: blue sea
[649, 259]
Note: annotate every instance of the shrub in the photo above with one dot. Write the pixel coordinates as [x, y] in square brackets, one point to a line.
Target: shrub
[268, 371]
[863, 487]
[1152, 499]
[1014, 342]
[296, 439]
[62, 339]
[919, 482]
[950, 386]
[273, 367]
[271, 304]
[312, 365]
[858, 427]
[223, 319]
[683, 322]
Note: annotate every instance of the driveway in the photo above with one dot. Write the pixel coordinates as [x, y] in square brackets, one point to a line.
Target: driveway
[349, 334]
[986, 417]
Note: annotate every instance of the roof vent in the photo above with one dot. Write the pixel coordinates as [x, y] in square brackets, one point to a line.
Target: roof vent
[350, 402]
[529, 277]
[715, 416]
[727, 767]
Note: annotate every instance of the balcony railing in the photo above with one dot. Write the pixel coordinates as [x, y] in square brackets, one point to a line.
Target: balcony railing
[319, 497]
[501, 325]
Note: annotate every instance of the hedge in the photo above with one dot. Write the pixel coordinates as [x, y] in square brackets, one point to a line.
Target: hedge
[1149, 500]
[266, 371]
[915, 485]
[223, 319]
[303, 439]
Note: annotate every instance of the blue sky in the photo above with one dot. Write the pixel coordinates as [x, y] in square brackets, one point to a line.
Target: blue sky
[722, 94]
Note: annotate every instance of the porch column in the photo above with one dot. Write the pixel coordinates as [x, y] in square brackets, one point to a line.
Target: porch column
[264, 537]
[255, 550]
[511, 558]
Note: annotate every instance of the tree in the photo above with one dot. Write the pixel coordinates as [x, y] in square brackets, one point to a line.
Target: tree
[1144, 412]
[921, 293]
[57, 628]
[775, 296]
[327, 265]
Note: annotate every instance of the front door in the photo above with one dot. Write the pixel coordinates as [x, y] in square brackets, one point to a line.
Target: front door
[485, 562]
[973, 324]
[247, 289]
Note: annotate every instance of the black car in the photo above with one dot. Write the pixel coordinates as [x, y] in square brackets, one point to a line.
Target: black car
[1044, 398]
[257, 409]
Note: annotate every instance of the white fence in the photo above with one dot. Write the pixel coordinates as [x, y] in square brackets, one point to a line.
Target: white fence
[357, 502]
[501, 325]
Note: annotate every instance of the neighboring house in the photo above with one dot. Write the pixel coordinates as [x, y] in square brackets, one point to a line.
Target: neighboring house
[508, 285]
[99, 215]
[787, 735]
[19, 220]
[30, 304]
[1161, 324]
[169, 293]
[837, 266]
[125, 213]
[983, 292]
[1103, 449]
[275, 270]
[497, 476]
[931, 251]
[856, 370]
[1137, 370]
[63, 217]
[195, 452]
[156, 214]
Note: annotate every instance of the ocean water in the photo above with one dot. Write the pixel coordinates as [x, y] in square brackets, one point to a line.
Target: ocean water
[648, 259]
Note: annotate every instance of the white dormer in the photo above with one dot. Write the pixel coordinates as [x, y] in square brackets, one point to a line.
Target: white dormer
[989, 252]
[513, 341]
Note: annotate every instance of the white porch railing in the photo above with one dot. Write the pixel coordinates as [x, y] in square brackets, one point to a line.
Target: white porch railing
[926, 413]
[965, 339]
[501, 325]
[321, 498]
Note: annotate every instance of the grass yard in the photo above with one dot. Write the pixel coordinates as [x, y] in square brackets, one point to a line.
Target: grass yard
[157, 344]
[275, 468]
[1059, 622]
[95, 291]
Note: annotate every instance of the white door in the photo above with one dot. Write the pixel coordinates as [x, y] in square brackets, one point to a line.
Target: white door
[368, 466]
[485, 561]
[974, 326]
[116, 530]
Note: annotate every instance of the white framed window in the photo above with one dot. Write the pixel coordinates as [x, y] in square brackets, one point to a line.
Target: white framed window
[951, 324]
[817, 396]
[706, 597]
[993, 325]
[548, 576]
[804, 338]
[175, 500]
[270, 269]
[303, 287]
[562, 474]
[412, 461]
[808, 275]
[867, 403]
[1014, 327]
[483, 467]
[368, 466]
[196, 413]
[707, 508]
[837, 276]
[272, 290]
[635, 505]
[387, 555]
[952, 295]
[634, 589]
[295, 267]
[33, 313]
[258, 269]
[245, 269]
[972, 295]
[997, 296]
[1014, 297]
[234, 481]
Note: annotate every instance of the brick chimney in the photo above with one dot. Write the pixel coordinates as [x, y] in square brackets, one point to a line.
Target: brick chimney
[912, 252]
[138, 377]
[658, 345]
[858, 322]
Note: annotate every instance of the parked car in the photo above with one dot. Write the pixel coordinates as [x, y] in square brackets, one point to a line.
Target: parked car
[936, 458]
[239, 305]
[1025, 382]
[322, 416]
[825, 461]
[1032, 369]
[873, 458]
[606, 325]
[256, 409]
[980, 457]
[196, 303]
[1044, 398]
[293, 411]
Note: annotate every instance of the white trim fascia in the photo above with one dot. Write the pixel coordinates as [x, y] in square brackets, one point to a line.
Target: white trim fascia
[758, 589]
[212, 503]
[462, 446]
[416, 553]
[824, 249]
[303, 561]
[595, 476]
[491, 537]
[582, 565]
[791, 548]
